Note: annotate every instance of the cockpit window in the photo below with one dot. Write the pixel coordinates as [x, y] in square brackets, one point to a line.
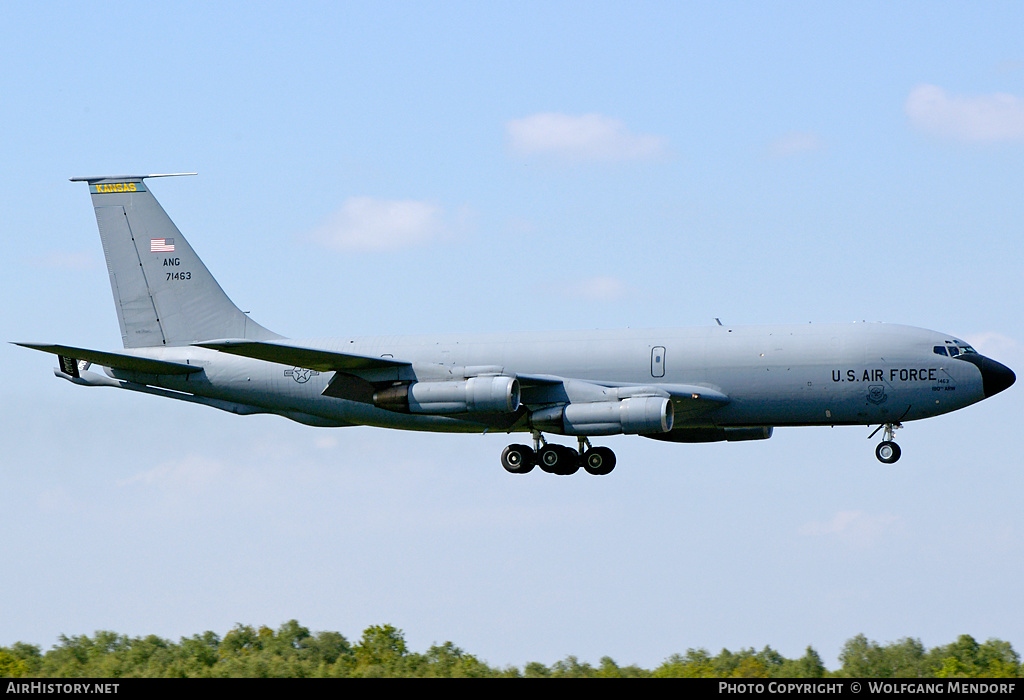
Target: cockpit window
[955, 348]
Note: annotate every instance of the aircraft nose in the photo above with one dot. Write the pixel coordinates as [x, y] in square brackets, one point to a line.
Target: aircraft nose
[995, 376]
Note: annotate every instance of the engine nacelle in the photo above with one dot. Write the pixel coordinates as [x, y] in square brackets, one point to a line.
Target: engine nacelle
[474, 395]
[639, 415]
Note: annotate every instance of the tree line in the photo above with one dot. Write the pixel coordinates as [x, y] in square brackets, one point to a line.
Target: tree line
[292, 651]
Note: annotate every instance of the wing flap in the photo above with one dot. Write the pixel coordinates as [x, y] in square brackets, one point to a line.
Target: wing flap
[298, 356]
[114, 360]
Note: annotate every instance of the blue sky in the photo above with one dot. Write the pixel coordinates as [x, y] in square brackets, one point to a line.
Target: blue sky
[416, 167]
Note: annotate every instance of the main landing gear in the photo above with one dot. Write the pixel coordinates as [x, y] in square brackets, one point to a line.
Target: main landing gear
[557, 459]
[887, 451]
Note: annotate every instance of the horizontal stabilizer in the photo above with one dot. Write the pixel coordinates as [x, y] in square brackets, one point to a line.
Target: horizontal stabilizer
[116, 360]
[297, 356]
[124, 178]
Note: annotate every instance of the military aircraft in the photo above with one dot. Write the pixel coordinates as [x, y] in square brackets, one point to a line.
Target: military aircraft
[184, 339]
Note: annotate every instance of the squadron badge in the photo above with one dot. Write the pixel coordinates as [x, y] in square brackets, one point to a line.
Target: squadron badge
[876, 394]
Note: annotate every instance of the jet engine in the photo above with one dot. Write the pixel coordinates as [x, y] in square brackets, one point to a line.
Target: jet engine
[637, 415]
[492, 394]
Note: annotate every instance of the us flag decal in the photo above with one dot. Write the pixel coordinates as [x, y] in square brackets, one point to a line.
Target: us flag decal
[161, 245]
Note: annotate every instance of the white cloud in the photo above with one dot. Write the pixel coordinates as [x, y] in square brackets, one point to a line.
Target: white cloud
[192, 473]
[599, 289]
[983, 118]
[590, 137]
[997, 346]
[369, 224]
[63, 260]
[326, 442]
[795, 143]
[854, 527]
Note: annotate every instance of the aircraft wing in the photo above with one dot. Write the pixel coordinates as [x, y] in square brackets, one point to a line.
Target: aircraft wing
[688, 400]
[539, 380]
[691, 392]
[114, 360]
[298, 356]
[537, 389]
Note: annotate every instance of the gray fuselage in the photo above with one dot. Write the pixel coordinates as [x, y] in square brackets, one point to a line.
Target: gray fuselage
[791, 375]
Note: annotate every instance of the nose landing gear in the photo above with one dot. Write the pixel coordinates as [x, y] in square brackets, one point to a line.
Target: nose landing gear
[557, 459]
[887, 451]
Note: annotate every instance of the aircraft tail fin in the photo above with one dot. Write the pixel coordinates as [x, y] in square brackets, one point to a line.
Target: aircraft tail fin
[163, 292]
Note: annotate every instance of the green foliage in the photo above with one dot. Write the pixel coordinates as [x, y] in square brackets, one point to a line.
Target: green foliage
[293, 651]
[11, 666]
[965, 658]
[861, 658]
[907, 658]
[696, 663]
[809, 665]
[609, 669]
[20, 660]
[535, 669]
[381, 652]
[746, 663]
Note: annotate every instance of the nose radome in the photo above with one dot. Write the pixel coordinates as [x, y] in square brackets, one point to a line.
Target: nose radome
[995, 376]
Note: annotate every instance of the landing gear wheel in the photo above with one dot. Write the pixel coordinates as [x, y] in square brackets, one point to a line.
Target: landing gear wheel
[571, 462]
[887, 452]
[558, 459]
[518, 459]
[599, 461]
[549, 458]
